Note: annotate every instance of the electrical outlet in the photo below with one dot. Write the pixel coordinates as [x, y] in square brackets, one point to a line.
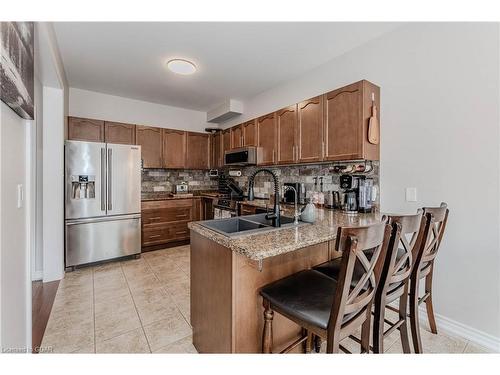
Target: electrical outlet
[411, 194]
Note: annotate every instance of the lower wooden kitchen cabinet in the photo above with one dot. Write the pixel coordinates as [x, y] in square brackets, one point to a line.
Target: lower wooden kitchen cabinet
[166, 221]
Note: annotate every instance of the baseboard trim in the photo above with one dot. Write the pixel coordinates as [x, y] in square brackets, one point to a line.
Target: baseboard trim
[454, 328]
[37, 275]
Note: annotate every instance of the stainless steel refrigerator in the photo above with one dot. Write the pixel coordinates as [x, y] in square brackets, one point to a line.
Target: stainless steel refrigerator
[103, 201]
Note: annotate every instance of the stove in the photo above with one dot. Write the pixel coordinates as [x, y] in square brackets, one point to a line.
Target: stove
[226, 205]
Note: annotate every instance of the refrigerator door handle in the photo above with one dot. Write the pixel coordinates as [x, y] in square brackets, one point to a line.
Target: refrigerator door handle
[110, 179]
[102, 219]
[103, 179]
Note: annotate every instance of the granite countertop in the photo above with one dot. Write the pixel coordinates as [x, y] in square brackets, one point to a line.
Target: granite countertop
[268, 244]
[162, 196]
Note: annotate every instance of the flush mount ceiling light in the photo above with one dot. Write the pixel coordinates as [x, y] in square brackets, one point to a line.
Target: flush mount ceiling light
[181, 66]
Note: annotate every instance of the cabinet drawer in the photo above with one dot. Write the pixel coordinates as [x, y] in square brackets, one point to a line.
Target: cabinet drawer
[165, 215]
[164, 233]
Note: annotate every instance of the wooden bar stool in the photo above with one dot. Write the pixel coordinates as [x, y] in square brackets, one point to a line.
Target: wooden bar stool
[424, 268]
[394, 281]
[323, 306]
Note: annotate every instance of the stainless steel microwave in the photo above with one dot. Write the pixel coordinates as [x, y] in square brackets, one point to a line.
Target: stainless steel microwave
[241, 156]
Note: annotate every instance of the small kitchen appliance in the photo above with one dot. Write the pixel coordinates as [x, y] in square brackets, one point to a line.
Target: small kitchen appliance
[181, 188]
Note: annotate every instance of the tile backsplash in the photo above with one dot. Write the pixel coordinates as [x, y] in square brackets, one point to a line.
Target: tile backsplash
[263, 186]
[160, 180]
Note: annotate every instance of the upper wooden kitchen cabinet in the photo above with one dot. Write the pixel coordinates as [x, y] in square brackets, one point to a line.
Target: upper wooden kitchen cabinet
[286, 126]
[226, 142]
[116, 132]
[266, 138]
[310, 130]
[174, 148]
[84, 129]
[151, 141]
[249, 133]
[237, 136]
[198, 150]
[347, 112]
[216, 150]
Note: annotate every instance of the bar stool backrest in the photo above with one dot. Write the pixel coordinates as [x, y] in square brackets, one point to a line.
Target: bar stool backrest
[400, 258]
[366, 245]
[439, 218]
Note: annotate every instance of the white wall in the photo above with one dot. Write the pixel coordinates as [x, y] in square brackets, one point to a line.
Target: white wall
[439, 120]
[50, 142]
[14, 257]
[53, 184]
[91, 104]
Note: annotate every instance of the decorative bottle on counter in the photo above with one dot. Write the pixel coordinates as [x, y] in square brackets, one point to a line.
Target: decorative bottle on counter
[308, 214]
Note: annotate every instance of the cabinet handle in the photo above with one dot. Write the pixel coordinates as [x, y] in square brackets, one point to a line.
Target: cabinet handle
[155, 236]
[323, 149]
[155, 218]
[294, 155]
[183, 232]
[181, 215]
[273, 155]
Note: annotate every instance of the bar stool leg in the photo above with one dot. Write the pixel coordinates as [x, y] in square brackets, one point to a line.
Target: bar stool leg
[428, 302]
[414, 321]
[365, 331]
[267, 335]
[317, 343]
[403, 329]
[378, 324]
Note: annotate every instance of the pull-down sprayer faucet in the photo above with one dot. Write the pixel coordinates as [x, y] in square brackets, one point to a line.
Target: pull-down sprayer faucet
[275, 216]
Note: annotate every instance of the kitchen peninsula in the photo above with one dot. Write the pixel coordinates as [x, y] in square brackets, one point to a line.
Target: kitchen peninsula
[227, 273]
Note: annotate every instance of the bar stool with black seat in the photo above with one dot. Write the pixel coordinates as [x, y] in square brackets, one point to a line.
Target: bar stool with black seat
[424, 268]
[394, 281]
[325, 307]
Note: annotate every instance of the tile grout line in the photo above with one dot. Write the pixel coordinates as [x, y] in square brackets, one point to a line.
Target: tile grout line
[170, 294]
[135, 306]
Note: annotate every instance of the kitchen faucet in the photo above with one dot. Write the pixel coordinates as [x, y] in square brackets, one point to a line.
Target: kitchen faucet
[296, 212]
[275, 216]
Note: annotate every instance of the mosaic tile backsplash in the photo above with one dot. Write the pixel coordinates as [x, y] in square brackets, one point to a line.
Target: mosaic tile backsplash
[159, 180]
[163, 180]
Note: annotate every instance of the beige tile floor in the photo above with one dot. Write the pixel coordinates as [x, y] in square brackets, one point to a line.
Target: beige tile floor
[142, 306]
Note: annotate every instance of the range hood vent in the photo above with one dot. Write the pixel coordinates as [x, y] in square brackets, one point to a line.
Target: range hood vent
[226, 111]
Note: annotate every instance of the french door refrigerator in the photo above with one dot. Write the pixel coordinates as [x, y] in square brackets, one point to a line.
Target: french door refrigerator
[103, 201]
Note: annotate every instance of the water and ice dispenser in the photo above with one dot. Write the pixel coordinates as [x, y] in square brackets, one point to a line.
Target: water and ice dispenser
[83, 187]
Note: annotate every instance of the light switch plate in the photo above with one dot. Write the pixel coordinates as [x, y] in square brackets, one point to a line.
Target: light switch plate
[20, 197]
[411, 194]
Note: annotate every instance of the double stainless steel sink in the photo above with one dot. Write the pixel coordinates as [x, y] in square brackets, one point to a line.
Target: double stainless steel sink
[251, 224]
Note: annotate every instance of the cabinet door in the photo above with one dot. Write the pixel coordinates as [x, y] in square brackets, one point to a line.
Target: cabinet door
[226, 142]
[310, 130]
[216, 150]
[198, 150]
[84, 129]
[236, 136]
[151, 142]
[286, 122]
[343, 116]
[116, 132]
[266, 138]
[174, 149]
[250, 133]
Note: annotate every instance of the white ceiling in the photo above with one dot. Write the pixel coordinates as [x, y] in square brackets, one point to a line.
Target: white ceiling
[235, 60]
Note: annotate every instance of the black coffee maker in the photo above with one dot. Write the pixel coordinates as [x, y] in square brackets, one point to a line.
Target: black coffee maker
[357, 193]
